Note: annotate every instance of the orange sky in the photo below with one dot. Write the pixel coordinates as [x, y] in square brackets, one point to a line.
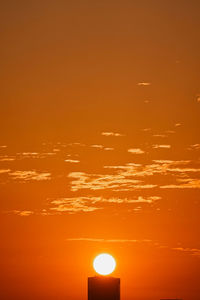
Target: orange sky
[99, 147]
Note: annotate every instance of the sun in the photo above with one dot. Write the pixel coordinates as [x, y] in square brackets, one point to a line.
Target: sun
[104, 264]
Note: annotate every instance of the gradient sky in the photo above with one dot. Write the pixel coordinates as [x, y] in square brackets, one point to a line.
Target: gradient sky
[99, 147]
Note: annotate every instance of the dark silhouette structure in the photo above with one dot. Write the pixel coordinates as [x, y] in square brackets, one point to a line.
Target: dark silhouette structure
[103, 288]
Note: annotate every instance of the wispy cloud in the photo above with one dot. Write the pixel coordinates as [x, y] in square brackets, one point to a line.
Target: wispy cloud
[34, 155]
[73, 161]
[110, 133]
[30, 175]
[184, 170]
[22, 213]
[7, 158]
[172, 162]
[127, 167]
[161, 146]
[140, 199]
[192, 251]
[3, 171]
[89, 204]
[176, 166]
[56, 150]
[194, 147]
[77, 144]
[137, 209]
[116, 182]
[185, 183]
[74, 205]
[146, 129]
[136, 151]
[131, 176]
[97, 146]
[27, 155]
[144, 83]
[160, 135]
[170, 131]
[187, 250]
[86, 239]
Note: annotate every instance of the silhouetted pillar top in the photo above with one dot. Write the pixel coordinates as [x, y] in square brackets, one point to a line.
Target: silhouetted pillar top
[103, 288]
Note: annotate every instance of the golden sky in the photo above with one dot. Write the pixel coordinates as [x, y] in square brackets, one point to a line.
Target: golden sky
[99, 147]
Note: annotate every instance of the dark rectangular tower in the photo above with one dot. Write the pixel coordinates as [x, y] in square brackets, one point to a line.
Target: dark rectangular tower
[103, 288]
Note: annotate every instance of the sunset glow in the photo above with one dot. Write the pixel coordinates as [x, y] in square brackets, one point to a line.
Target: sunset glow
[99, 147]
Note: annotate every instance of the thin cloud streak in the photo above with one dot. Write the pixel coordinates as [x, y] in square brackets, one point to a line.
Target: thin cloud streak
[161, 146]
[144, 83]
[97, 146]
[190, 251]
[136, 151]
[30, 175]
[88, 204]
[85, 239]
[194, 147]
[116, 182]
[23, 213]
[3, 171]
[73, 161]
[131, 176]
[116, 134]
[6, 158]
[187, 183]
[73, 205]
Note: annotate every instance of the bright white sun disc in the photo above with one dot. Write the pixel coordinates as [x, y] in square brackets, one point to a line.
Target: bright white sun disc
[104, 264]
